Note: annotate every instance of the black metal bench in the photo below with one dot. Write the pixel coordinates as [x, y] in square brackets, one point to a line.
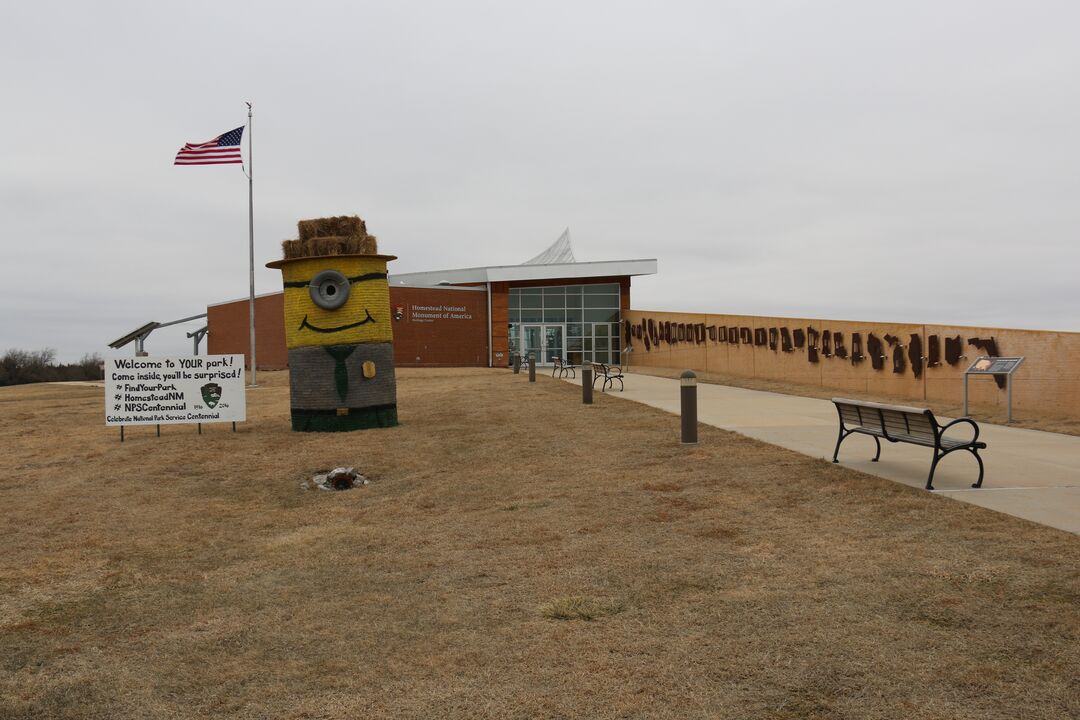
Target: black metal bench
[560, 366]
[610, 373]
[897, 423]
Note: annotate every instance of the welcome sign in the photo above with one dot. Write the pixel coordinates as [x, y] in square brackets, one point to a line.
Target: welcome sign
[175, 390]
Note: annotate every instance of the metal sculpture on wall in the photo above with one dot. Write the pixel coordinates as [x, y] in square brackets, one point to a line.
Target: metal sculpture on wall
[876, 351]
[954, 349]
[817, 343]
[838, 345]
[915, 356]
[856, 349]
[898, 353]
[811, 345]
[933, 351]
[338, 328]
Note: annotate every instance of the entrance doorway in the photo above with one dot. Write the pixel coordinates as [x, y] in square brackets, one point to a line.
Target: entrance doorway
[546, 340]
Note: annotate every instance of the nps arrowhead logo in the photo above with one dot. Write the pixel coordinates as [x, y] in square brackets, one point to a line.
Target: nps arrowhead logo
[211, 394]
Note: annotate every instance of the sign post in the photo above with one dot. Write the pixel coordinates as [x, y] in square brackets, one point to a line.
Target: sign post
[993, 366]
[174, 390]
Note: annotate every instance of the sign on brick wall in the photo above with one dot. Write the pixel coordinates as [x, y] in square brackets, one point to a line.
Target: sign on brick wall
[433, 313]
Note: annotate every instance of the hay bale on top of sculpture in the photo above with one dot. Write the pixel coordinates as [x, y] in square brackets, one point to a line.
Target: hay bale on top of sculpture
[338, 327]
[345, 225]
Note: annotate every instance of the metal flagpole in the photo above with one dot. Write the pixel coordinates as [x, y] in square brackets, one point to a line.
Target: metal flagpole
[251, 251]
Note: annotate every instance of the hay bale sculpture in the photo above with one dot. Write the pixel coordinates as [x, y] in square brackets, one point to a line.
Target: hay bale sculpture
[337, 328]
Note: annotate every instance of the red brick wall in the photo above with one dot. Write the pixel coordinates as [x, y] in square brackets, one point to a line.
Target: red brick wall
[442, 342]
[229, 331]
[448, 342]
[427, 342]
[500, 316]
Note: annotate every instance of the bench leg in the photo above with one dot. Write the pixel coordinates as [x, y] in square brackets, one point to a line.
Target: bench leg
[933, 467]
[979, 482]
[621, 386]
[878, 443]
[839, 439]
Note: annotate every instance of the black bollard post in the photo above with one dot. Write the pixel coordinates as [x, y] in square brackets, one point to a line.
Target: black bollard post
[586, 384]
[532, 367]
[688, 407]
[517, 363]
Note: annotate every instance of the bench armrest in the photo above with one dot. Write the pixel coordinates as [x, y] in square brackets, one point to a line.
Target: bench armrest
[971, 422]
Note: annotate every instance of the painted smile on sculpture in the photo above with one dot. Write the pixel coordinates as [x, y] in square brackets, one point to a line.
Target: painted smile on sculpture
[339, 328]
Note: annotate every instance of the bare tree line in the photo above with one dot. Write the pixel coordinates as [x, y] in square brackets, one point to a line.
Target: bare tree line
[18, 367]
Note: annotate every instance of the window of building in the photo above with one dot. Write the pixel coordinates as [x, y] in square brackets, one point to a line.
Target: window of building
[580, 323]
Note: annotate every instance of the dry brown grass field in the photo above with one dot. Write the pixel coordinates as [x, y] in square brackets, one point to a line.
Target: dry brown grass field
[517, 555]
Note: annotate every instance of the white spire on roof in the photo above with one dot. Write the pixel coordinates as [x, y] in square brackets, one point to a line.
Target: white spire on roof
[560, 252]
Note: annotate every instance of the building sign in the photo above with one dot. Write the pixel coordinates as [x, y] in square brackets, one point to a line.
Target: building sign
[431, 313]
[174, 390]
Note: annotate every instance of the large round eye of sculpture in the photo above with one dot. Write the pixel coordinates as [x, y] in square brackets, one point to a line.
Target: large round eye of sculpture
[329, 289]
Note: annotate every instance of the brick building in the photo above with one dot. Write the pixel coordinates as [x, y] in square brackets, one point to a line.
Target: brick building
[551, 305]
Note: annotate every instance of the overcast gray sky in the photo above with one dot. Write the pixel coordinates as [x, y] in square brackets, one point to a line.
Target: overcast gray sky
[915, 161]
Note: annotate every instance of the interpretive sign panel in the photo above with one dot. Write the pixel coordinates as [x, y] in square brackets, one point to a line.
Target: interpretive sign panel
[998, 366]
[994, 365]
[174, 390]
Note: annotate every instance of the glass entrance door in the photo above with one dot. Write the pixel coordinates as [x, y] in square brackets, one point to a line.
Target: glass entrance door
[553, 343]
[543, 339]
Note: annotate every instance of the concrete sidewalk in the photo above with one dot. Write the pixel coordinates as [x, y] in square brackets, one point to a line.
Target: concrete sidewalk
[1030, 474]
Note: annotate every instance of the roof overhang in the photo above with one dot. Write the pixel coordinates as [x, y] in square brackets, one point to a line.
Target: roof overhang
[524, 273]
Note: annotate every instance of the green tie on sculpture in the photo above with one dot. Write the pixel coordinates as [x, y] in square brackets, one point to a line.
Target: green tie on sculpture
[337, 328]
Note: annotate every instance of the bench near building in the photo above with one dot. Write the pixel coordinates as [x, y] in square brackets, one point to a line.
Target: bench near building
[551, 305]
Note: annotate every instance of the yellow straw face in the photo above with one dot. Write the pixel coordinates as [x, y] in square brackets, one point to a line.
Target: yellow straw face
[363, 318]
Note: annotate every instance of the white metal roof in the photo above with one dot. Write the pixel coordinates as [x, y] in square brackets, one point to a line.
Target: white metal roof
[514, 273]
[559, 252]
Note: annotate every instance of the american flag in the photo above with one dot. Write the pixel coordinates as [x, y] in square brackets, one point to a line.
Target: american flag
[222, 150]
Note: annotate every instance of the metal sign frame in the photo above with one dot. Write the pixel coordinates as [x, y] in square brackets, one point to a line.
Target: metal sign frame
[986, 365]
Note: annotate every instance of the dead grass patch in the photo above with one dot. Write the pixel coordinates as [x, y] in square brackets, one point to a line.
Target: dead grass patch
[191, 576]
[576, 607]
[662, 486]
